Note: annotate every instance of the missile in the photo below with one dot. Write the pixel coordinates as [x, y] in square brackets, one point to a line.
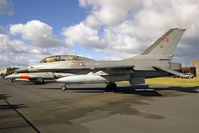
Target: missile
[22, 76]
[45, 75]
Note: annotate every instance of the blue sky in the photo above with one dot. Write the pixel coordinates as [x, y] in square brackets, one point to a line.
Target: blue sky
[101, 29]
[56, 14]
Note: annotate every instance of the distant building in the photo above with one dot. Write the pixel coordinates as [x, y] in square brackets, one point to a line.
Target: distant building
[189, 70]
[195, 63]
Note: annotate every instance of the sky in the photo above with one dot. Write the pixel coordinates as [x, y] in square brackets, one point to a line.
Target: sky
[31, 30]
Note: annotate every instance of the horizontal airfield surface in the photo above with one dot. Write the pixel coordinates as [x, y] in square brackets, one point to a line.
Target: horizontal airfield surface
[25, 107]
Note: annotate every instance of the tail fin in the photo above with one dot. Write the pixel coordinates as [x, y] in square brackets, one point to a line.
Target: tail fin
[166, 44]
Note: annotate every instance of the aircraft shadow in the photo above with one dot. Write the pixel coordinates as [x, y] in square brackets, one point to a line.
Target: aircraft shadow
[143, 90]
[4, 96]
[146, 90]
[81, 90]
[179, 88]
[124, 90]
[13, 106]
[7, 105]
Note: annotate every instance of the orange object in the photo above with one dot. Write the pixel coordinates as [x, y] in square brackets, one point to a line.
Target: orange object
[24, 76]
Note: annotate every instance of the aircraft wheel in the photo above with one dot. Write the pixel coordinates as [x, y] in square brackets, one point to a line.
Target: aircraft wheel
[63, 88]
[114, 87]
[40, 81]
[12, 80]
[110, 87]
[107, 89]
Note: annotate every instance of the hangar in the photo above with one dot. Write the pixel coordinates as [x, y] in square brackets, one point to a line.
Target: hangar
[195, 63]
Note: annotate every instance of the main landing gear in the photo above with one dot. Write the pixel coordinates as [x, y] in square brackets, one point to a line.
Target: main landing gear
[12, 80]
[111, 87]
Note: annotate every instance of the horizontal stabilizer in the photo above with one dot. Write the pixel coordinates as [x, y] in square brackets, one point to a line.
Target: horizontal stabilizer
[172, 72]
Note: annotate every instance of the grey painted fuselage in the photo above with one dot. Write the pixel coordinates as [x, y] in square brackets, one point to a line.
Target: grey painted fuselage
[154, 62]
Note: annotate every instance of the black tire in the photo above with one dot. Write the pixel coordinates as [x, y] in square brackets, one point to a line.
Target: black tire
[108, 88]
[111, 87]
[12, 80]
[114, 87]
[40, 81]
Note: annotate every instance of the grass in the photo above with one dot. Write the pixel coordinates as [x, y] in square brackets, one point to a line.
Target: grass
[169, 81]
[173, 81]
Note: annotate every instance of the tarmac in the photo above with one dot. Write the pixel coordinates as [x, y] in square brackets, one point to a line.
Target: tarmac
[29, 108]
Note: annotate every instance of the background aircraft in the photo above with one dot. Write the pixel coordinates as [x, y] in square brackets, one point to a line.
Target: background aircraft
[3, 70]
[69, 69]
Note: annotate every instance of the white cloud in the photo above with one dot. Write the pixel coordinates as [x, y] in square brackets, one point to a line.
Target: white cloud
[124, 28]
[6, 7]
[16, 46]
[13, 61]
[83, 35]
[37, 42]
[110, 12]
[38, 33]
[130, 26]
[17, 53]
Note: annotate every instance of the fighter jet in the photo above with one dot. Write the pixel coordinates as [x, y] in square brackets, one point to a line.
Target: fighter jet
[70, 69]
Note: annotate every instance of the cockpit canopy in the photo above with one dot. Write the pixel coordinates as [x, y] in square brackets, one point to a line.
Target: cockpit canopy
[63, 58]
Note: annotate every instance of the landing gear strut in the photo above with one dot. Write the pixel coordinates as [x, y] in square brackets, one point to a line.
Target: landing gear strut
[12, 80]
[111, 87]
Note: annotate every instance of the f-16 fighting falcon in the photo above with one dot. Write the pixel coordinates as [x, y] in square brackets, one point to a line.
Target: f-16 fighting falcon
[69, 69]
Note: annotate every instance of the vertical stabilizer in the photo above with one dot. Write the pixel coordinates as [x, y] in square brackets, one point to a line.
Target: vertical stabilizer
[166, 44]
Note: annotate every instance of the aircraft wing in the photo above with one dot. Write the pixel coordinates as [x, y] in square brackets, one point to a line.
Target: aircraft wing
[112, 67]
[171, 71]
[97, 67]
[112, 70]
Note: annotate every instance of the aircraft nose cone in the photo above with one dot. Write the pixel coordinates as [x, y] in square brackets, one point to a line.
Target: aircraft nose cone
[23, 69]
[8, 77]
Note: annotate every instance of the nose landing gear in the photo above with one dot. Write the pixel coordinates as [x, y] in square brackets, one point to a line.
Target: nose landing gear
[64, 88]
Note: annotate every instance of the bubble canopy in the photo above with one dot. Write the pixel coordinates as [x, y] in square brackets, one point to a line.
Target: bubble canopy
[62, 58]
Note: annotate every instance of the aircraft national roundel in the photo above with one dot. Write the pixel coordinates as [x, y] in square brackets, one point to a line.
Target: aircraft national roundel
[166, 39]
[80, 64]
